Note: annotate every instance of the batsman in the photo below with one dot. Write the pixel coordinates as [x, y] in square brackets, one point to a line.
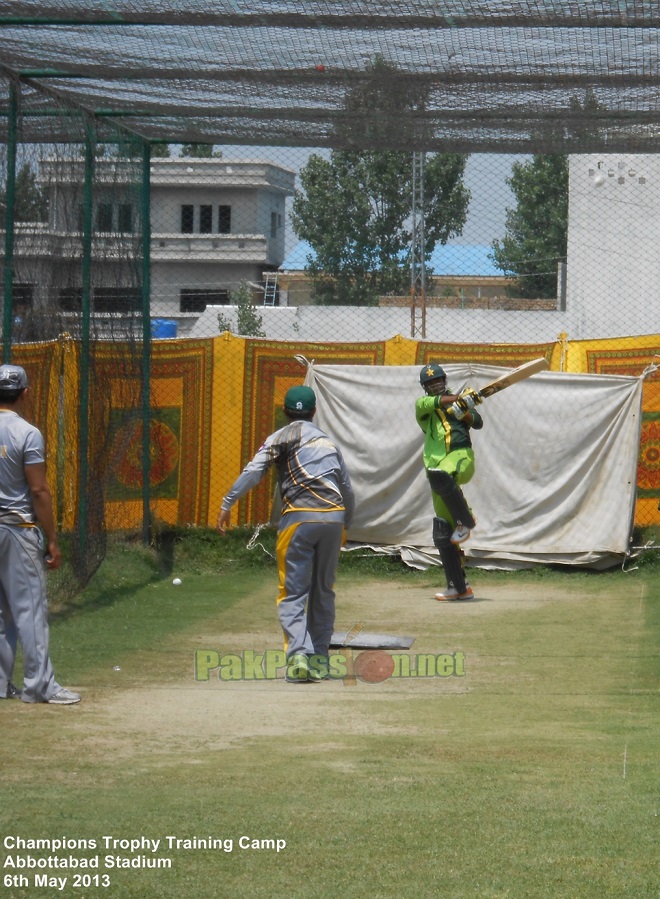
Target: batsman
[446, 420]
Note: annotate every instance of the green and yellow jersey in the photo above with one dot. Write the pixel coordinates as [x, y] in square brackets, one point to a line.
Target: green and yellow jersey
[443, 432]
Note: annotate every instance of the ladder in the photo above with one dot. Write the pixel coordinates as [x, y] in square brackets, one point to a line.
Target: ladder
[270, 289]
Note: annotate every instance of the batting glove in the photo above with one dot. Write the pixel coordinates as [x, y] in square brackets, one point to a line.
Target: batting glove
[470, 394]
[460, 409]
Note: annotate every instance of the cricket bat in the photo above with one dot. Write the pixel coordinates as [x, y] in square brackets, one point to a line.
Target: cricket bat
[518, 374]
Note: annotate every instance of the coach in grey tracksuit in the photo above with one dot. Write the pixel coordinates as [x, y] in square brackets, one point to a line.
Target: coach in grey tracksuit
[317, 504]
[25, 503]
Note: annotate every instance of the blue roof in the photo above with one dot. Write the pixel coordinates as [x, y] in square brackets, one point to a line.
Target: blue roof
[459, 260]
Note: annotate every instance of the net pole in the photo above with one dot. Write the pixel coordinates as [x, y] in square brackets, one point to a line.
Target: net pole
[7, 313]
[418, 251]
[146, 339]
[84, 345]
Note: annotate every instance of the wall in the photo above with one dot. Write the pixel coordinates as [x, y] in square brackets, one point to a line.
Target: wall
[613, 271]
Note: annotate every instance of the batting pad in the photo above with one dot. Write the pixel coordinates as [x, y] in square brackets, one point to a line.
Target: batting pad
[370, 641]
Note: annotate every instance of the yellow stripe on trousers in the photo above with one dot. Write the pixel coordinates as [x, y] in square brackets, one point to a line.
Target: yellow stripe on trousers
[283, 541]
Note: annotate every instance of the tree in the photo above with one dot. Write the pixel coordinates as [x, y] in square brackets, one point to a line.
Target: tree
[132, 148]
[248, 323]
[355, 213]
[30, 200]
[355, 208]
[537, 228]
[200, 151]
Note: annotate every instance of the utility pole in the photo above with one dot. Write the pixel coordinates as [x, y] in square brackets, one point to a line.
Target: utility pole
[417, 262]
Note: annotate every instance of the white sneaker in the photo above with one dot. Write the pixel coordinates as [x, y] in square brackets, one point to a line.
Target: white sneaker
[64, 697]
[461, 534]
[451, 594]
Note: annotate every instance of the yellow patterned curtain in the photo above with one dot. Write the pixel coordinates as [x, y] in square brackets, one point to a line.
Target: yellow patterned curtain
[214, 401]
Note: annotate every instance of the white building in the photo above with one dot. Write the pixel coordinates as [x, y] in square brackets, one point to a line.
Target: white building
[214, 225]
[613, 268]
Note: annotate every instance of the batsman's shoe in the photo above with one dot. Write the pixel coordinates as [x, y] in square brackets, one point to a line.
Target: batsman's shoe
[460, 535]
[12, 692]
[64, 697]
[451, 594]
[297, 669]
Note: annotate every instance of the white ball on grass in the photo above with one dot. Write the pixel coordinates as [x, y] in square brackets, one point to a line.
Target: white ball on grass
[176, 581]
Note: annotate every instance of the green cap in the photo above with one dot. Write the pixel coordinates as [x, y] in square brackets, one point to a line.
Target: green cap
[300, 399]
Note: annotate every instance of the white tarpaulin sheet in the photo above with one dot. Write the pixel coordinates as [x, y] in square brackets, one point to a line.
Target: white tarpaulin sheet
[556, 462]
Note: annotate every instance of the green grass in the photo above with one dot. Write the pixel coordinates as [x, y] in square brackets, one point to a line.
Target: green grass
[533, 776]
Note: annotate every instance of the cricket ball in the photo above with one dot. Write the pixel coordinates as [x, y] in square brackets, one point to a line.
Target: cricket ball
[373, 666]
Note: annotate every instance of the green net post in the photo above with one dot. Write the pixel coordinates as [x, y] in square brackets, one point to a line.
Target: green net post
[85, 328]
[146, 340]
[7, 318]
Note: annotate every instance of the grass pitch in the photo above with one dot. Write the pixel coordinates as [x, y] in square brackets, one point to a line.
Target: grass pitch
[531, 774]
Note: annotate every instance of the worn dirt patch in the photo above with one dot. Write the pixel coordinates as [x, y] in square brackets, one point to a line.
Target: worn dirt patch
[190, 716]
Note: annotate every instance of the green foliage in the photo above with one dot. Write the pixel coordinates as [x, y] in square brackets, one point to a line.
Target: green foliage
[355, 212]
[132, 148]
[200, 151]
[30, 201]
[248, 321]
[160, 151]
[537, 228]
[355, 207]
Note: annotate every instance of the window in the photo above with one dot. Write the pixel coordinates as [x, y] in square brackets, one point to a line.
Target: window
[22, 295]
[224, 219]
[104, 217]
[125, 219]
[273, 224]
[187, 219]
[117, 299]
[205, 219]
[70, 299]
[197, 300]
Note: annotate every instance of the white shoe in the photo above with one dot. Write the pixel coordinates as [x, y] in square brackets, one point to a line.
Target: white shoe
[64, 697]
[451, 594]
[461, 534]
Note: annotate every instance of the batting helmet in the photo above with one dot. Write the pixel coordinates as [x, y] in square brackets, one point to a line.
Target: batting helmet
[431, 372]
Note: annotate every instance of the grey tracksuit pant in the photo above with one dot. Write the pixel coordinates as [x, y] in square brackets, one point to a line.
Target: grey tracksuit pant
[307, 557]
[24, 612]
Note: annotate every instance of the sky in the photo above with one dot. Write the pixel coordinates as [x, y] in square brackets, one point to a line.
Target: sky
[485, 177]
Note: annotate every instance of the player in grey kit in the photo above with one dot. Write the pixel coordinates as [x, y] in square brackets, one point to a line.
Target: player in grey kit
[317, 504]
[25, 503]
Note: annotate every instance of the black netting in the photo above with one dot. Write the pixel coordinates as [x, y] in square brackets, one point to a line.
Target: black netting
[504, 77]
